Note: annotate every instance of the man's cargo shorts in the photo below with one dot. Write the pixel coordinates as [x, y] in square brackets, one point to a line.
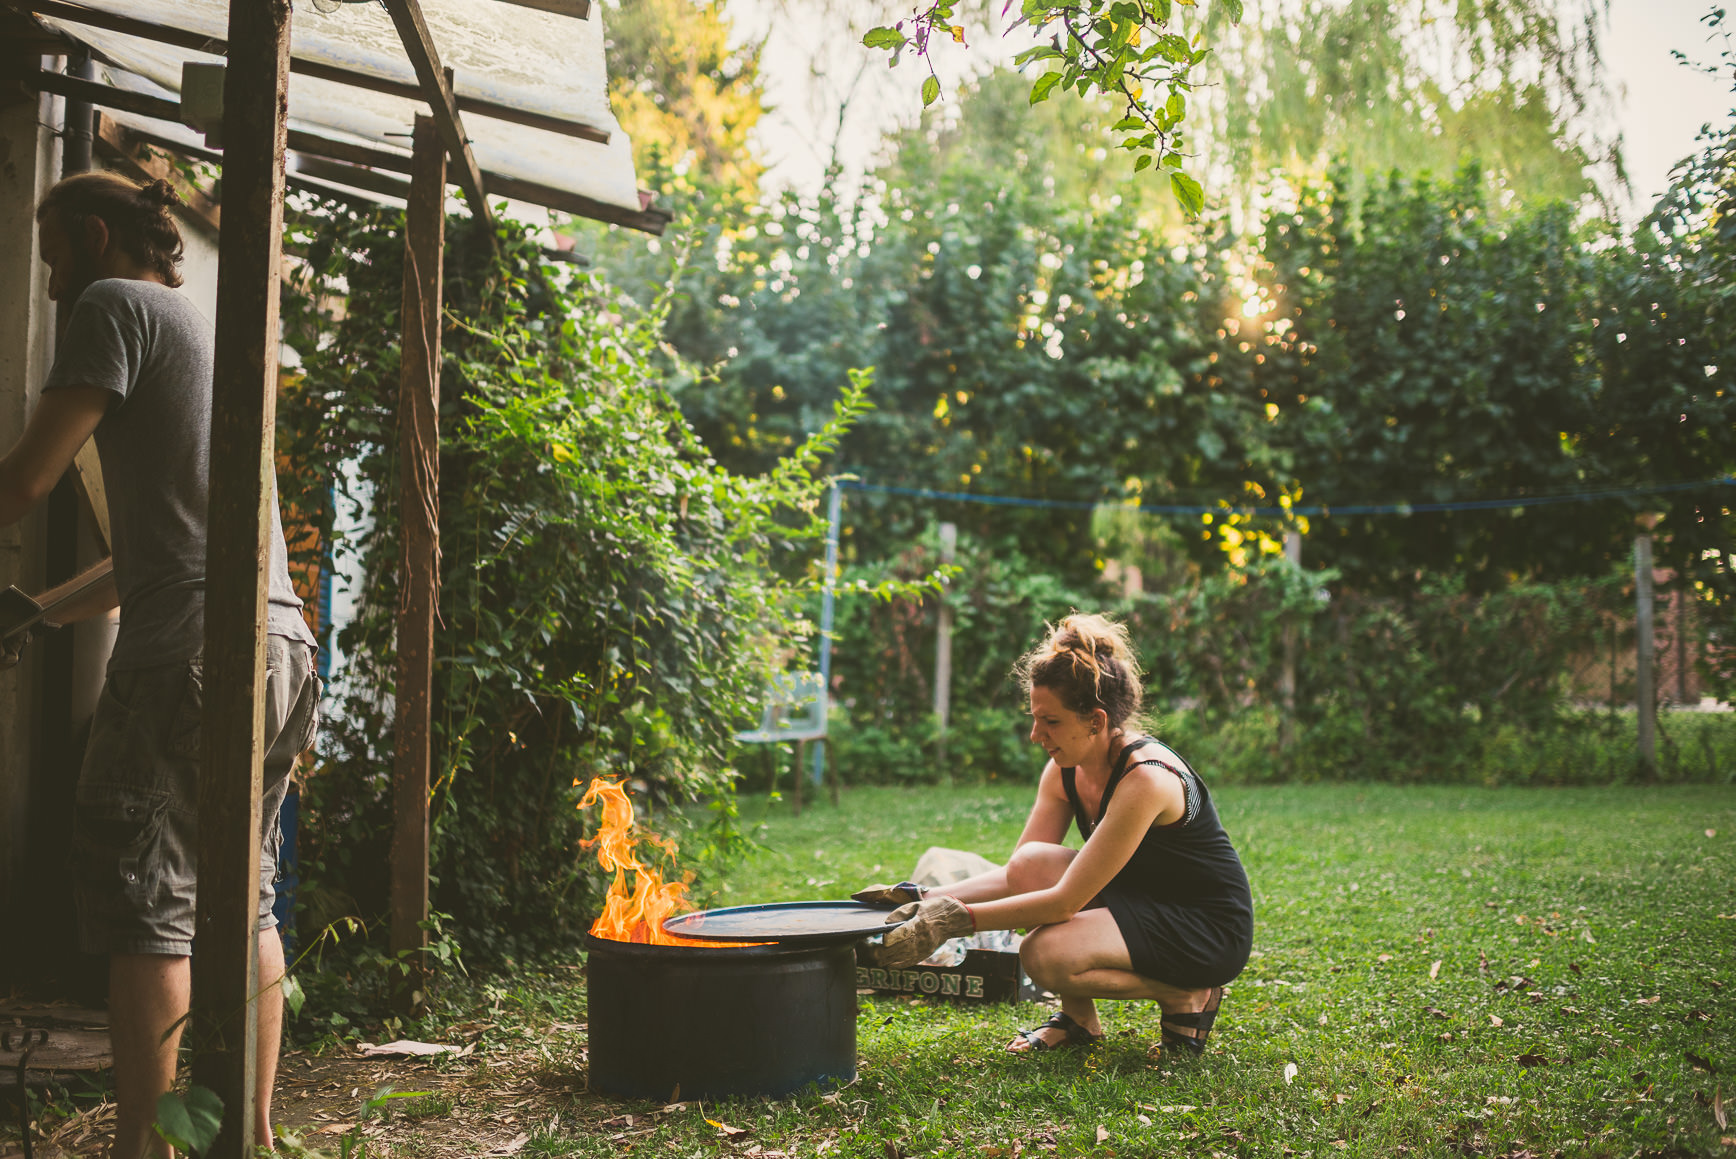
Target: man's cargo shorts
[135, 824]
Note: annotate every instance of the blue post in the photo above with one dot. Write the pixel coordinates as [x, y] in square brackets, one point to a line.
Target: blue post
[828, 594]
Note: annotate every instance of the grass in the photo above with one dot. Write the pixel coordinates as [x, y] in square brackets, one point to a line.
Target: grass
[1582, 1002]
[1598, 926]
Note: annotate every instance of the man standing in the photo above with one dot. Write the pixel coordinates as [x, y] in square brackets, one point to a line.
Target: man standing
[134, 369]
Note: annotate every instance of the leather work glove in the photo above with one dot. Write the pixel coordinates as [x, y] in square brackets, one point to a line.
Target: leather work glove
[888, 896]
[927, 926]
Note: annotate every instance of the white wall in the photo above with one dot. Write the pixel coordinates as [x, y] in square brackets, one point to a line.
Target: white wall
[29, 159]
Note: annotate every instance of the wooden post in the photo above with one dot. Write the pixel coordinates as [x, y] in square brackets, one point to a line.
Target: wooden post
[1287, 674]
[943, 656]
[1681, 610]
[1645, 696]
[832, 769]
[239, 524]
[419, 517]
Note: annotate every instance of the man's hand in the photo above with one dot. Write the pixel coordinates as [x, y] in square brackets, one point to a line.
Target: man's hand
[927, 926]
[12, 648]
[888, 896]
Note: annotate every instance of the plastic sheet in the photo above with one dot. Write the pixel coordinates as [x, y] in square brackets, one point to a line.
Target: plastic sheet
[529, 60]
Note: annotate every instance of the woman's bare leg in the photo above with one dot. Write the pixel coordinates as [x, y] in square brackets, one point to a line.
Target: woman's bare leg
[1033, 866]
[1084, 959]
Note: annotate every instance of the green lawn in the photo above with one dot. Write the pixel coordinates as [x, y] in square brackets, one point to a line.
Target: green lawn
[1583, 999]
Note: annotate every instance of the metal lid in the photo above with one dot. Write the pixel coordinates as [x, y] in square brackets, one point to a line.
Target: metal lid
[788, 922]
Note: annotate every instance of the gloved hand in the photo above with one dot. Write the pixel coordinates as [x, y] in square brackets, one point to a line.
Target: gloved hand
[887, 896]
[927, 926]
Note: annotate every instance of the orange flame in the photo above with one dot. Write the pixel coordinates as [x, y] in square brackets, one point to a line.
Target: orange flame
[635, 916]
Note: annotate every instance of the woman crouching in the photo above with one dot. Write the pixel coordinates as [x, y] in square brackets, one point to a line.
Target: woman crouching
[1155, 905]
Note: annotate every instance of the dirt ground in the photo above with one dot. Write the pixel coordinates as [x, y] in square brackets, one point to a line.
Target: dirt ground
[487, 1103]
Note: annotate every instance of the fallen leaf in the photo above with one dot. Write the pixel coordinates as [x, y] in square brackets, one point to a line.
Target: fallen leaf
[1718, 1115]
[889, 1148]
[617, 1121]
[1383, 958]
[405, 1048]
[1182, 1108]
[990, 1152]
[1533, 1060]
[1289, 1073]
[1711, 833]
[1700, 1061]
[727, 1131]
[1102, 1134]
[1441, 1014]
[1323, 1020]
[1340, 1099]
[1435, 968]
[513, 1147]
[1144, 1119]
[334, 1128]
[1574, 966]
[1495, 1020]
[1696, 1016]
[1652, 1001]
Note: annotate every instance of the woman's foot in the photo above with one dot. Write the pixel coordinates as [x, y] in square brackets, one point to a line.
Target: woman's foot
[1189, 1027]
[1061, 1030]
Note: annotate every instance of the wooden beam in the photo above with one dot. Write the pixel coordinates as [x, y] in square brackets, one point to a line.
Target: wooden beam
[577, 9]
[239, 524]
[306, 66]
[118, 144]
[647, 219]
[87, 480]
[437, 91]
[419, 524]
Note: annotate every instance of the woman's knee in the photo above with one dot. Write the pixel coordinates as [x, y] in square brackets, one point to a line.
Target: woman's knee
[1044, 957]
[1037, 865]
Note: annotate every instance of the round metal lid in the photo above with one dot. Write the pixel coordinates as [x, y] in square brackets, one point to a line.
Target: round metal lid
[789, 922]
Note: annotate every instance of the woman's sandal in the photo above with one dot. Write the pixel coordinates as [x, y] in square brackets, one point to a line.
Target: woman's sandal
[1077, 1035]
[1200, 1022]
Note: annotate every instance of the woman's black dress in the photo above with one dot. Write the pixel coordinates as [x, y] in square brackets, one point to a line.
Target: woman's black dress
[1182, 901]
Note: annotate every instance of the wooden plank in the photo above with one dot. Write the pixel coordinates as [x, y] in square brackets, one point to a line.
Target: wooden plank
[419, 535]
[243, 461]
[87, 478]
[437, 91]
[305, 66]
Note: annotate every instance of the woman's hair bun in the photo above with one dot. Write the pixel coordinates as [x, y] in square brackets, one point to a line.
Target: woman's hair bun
[159, 194]
[1088, 661]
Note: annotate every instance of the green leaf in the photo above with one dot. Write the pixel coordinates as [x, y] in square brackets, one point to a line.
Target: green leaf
[930, 91]
[1044, 85]
[190, 1124]
[1235, 7]
[1143, 162]
[884, 37]
[1188, 192]
[293, 995]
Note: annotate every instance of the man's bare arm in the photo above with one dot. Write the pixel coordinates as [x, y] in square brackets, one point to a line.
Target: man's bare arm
[62, 422]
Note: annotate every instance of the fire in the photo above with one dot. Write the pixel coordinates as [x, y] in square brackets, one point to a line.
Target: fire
[636, 916]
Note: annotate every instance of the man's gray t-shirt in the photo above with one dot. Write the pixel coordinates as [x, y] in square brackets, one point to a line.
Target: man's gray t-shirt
[152, 348]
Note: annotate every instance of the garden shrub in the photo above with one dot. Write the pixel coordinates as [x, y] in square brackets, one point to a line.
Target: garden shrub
[612, 600]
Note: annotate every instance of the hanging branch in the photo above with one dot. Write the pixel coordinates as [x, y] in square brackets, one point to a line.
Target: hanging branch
[1120, 48]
